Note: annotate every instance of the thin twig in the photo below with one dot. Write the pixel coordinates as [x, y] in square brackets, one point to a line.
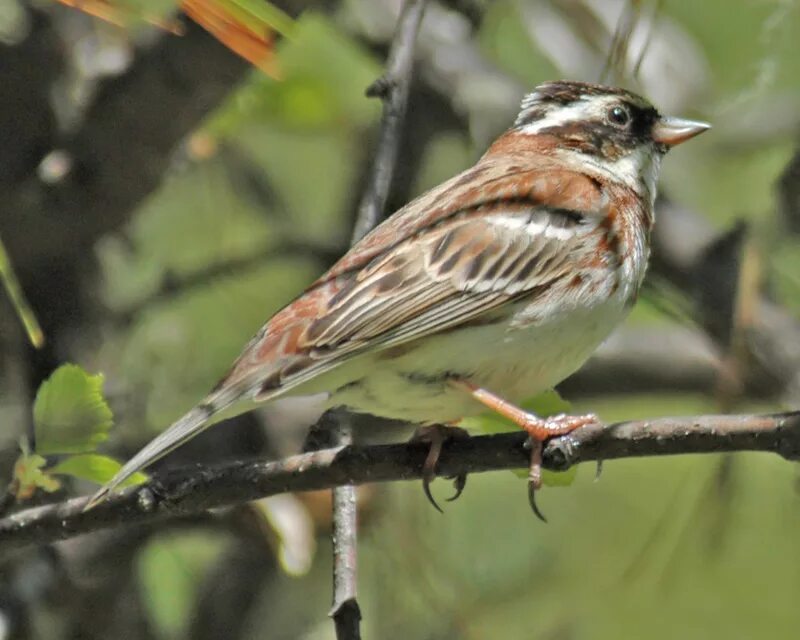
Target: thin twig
[616, 61]
[345, 611]
[195, 489]
[393, 88]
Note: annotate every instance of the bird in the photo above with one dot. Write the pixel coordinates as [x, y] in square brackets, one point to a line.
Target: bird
[486, 290]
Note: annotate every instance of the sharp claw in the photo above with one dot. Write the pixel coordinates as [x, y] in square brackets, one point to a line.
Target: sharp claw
[459, 482]
[436, 435]
[532, 502]
[426, 487]
[535, 476]
[598, 470]
[429, 471]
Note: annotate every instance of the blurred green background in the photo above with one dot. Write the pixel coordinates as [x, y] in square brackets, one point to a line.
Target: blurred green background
[264, 193]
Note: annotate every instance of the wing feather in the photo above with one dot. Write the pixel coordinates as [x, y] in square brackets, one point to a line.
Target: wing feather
[450, 277]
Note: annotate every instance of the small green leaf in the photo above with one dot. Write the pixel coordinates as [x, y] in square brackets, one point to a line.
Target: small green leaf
[70, 414]
[95, 468]
[545, 404]
[29, 475]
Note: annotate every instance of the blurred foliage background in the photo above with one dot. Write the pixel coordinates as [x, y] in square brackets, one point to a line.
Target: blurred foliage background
[161, 197]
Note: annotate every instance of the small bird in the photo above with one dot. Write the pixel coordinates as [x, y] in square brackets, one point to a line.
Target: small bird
[482, 292]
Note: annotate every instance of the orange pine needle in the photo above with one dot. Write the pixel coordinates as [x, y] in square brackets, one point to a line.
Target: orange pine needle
[112, 13]
[102, 9]
[254, 45]
[256, 48]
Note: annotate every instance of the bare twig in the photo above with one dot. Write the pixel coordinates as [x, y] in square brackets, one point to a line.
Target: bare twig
[192, 490]
[393, 88]
[345, 611]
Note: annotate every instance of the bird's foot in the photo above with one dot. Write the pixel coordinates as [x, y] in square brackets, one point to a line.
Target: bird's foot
[539, 430]
[436, 435]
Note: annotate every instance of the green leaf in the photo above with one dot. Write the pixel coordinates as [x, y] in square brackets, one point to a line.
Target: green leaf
[95, 468]
[545, 404]
[28, 476]
[70, 414]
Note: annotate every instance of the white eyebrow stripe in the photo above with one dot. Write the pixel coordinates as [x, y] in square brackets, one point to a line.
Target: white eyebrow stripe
[587, 108]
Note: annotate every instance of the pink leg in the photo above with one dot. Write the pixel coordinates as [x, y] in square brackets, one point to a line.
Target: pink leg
[539, 430]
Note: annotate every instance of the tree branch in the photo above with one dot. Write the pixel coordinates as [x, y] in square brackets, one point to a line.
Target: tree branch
[191, 490]
[393, 88]
[345, 611]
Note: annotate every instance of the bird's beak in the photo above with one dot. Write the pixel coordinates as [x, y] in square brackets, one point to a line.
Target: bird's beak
[673, 131]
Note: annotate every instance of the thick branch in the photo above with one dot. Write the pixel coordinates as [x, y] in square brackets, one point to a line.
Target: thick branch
[192, 490]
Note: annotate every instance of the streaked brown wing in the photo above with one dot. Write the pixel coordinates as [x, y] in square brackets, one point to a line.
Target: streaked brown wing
[450, 275]
[486, 251]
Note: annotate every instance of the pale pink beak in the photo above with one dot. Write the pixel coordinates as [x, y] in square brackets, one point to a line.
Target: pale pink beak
[673, 131]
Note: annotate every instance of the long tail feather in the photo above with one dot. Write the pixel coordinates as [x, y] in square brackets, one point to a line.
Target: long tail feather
[230, 398]
[192, 423]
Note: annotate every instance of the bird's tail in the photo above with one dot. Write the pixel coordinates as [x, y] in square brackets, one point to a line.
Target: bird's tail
[210, 411]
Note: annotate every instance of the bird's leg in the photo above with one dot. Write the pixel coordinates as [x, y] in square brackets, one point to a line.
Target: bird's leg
[539, 430]
[436, 435]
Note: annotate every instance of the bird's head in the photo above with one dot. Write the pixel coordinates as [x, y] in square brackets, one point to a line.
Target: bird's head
[609, 128]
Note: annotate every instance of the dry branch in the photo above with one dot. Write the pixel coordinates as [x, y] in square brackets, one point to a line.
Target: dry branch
[195, 489]
[393, 88]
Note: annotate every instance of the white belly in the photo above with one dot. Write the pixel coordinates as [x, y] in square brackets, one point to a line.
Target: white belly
[515, 363]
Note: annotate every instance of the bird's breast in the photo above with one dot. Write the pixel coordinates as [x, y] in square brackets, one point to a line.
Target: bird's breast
[512, 356]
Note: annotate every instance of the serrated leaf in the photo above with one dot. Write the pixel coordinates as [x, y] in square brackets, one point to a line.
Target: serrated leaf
[28, 475]
[545, 404]
[70, 414]
[95, 468]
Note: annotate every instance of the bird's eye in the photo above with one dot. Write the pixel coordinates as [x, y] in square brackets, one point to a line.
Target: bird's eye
[619, 116]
